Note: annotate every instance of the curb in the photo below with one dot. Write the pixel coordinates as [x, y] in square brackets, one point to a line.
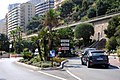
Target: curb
[118, 67]
[36, 68]
[27, 66]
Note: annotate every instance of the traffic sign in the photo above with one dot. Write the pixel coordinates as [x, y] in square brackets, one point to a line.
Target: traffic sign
[65, 44]
[65, 48]
[65, 40]
[52, 53]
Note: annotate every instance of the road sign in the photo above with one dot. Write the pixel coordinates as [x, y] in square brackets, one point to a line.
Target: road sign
[65, 44]
[65, 48]
[10, 46]
[52, 53]
[65, 40]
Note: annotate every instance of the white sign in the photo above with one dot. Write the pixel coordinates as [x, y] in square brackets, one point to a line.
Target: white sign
[65, 48]
[65, 40]
[10, 46]
[65, 44]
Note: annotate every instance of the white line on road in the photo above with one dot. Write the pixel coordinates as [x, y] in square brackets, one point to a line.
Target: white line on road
[73, 75]
[52, 75]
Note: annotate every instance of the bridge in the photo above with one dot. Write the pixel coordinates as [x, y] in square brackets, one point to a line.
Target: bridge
[100, 23]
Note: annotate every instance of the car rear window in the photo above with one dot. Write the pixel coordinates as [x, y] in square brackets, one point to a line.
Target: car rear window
[97, 53]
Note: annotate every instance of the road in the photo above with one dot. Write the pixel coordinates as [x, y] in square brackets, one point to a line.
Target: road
[73, 71]
[96, 73]
[11, 71]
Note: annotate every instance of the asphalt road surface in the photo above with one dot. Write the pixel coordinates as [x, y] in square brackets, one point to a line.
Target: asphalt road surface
[11, 71]
[73, 71]
[96, 73]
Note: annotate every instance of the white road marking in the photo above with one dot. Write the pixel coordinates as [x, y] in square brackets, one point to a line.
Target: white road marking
[52, 75]
[73, 75]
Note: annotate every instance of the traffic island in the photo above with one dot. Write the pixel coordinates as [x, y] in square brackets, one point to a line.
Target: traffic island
[58, 63]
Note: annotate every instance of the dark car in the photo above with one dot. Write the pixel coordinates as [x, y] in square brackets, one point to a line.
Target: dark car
[95, 57]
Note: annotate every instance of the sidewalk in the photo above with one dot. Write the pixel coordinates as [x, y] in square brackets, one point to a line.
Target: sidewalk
[113, 60]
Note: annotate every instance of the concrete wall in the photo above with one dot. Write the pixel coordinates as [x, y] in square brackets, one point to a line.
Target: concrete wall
[99, 28]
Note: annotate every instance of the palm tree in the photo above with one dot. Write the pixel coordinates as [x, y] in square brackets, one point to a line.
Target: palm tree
[37, 42]
[43, 35]
[51, 20]
[13, 34]
[16, 39]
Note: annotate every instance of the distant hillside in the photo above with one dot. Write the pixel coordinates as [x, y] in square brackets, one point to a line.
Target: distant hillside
[2, 20]
[76, 10]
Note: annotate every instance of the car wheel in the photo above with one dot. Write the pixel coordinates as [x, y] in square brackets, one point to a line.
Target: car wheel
[88, 64]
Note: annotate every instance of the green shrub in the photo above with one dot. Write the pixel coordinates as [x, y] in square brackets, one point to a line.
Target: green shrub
[118, 52]
[58, 60]
[46, 64]
[27, 55]
[23, 60]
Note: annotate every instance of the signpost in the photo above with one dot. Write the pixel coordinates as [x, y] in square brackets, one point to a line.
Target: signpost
[65, 43]
[52, 55]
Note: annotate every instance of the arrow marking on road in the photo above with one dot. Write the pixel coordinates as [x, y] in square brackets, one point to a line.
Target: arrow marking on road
[73, 75]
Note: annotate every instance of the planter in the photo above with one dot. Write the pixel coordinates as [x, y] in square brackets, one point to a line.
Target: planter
[119, 59]
[13, 55]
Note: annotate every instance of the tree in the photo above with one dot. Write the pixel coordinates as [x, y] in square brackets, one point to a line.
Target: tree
[37, 41]
[4, 43]
[113, 27]
[43, 35]
[91, 12]
[113, 33]
[102, 7]
[66, 9]
[51, 20]
[111, 44]
[77, 2]
[13, 36]
[84, 5]
[16, 35]
[35, 23]
[65, 33]
[84, 31]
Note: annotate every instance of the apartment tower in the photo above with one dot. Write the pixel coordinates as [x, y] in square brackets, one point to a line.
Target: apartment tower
[20, 15]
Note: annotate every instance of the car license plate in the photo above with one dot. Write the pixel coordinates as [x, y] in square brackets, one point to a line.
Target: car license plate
[99, 58]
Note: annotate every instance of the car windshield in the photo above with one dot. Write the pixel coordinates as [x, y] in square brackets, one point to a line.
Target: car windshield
[97, 53]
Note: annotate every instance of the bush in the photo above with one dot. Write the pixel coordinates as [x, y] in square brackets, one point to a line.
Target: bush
[46, 64]
[27, 55]
[118, 52]
[58, 60]
[111, 44]
[23, 60]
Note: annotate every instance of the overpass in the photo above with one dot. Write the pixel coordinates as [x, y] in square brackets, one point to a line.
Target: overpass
[100, 23]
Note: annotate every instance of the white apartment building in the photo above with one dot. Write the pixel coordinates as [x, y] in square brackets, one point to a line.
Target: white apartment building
[58, 3]
[35, 2]
[12, 6]
[20, 16]
[42, 7]
[3, 26]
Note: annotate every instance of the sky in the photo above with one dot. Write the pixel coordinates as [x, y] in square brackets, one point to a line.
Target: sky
[4, 6]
